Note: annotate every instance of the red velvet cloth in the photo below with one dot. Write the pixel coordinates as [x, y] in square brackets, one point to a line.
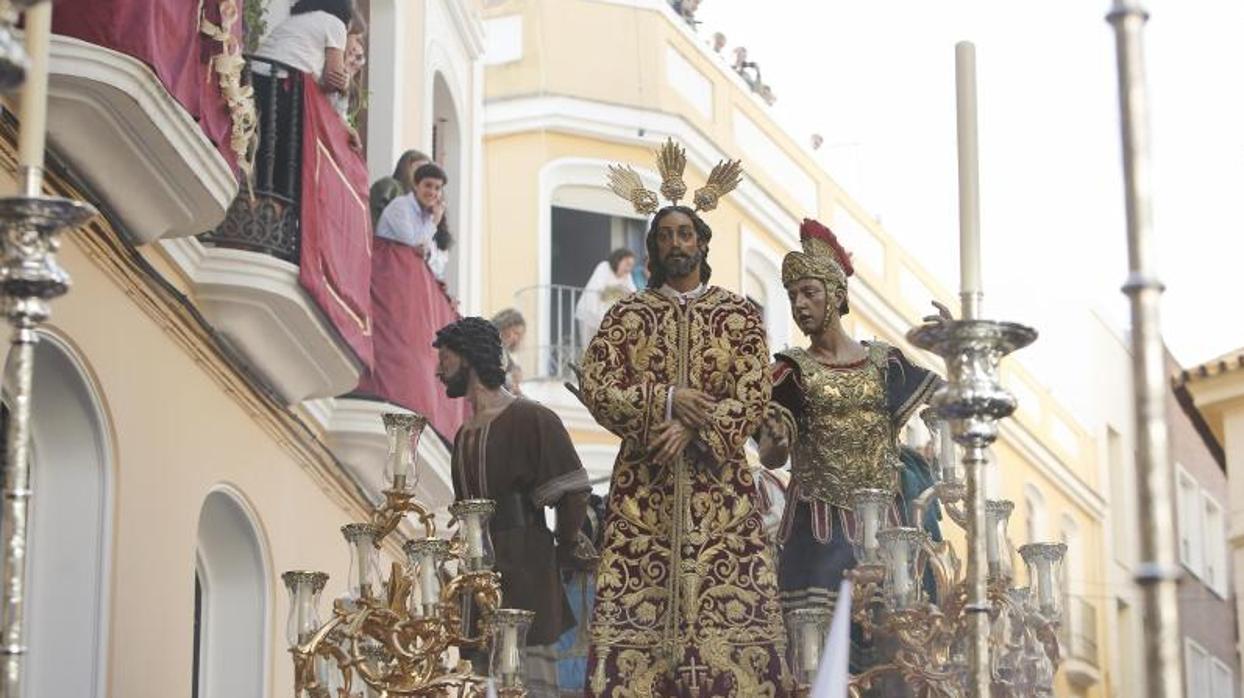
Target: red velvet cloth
[410, 305]
[163, 34]
[335, 262]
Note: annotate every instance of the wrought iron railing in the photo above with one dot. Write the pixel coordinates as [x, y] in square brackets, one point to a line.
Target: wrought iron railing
[268, 222]
[555, 337]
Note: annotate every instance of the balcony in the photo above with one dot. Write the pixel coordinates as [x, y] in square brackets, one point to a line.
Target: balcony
[130, 117]
[306, 331]
[555, 340]
[1078, 637]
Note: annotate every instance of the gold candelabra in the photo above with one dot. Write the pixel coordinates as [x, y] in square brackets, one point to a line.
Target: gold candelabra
[932, 627]
[392, 637]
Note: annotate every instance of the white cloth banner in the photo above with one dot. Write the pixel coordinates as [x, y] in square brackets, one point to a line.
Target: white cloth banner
[833, 673]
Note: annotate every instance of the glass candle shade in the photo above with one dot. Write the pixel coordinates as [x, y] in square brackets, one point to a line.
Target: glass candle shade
[806, 629]
[364, 578]
[1045, 571]
[473, 516]
[426, 556]
[870, 508]
[950, 465]
[404, 430]
[507, 660]
[304, 602]
[903, 554]
[997, 545]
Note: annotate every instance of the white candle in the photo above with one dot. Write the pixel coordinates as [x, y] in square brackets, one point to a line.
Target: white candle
[902, 583]
[949, 460]
[34, 103]
[991, 544]
[364, 576]
[302, 611]
[429, 585]
[1045, 584]
[509, 651]
[870, 530]
[969, 177]
[811, 655]
[474, 537]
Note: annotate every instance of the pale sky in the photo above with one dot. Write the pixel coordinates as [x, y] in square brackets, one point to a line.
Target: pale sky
[876, 79]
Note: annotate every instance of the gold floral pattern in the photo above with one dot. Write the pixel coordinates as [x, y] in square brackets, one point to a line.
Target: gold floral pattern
[686, 600]
[849, 437]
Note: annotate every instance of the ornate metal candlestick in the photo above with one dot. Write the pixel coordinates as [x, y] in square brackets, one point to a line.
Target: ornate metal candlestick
[385, 634]
[29, 278]
[1158, 571]
[973, 400]
[13, 58]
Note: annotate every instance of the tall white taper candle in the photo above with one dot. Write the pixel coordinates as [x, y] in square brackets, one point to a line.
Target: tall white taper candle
[34, 104]
[969, 181]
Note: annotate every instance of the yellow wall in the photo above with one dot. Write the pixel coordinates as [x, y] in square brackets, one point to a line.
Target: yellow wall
[175, 435]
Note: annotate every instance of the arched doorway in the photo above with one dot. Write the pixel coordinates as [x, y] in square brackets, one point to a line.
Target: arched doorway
[447, 152]
[70, 528]
[231, 600]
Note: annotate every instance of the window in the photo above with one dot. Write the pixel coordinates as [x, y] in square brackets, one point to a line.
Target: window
[1221, 679]
[1034, 514]
[1189, 511]
[1202, 530]
[1215, 554]
[1122, 497]
[1196, 668]
[1205, 674]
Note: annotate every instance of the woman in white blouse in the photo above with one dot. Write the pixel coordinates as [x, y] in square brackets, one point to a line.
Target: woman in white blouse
[313, 40]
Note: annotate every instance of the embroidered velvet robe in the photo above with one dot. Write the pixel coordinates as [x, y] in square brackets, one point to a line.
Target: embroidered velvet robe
[686, 597]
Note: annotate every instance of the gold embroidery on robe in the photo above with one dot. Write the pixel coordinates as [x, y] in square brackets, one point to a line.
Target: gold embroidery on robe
[686, 600]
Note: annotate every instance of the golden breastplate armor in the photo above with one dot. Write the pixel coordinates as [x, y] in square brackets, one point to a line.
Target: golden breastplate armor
[846, 437]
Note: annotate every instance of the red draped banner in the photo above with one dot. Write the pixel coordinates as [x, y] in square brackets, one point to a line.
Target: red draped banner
[335, 262]
[336, 239]
[163, 34]
[409, 305]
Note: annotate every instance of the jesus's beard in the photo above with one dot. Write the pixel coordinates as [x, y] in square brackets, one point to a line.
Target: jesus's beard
[677, 266]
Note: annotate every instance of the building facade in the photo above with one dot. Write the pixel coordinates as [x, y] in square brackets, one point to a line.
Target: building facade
[192, 438]
[574, 85]
[1208, 488]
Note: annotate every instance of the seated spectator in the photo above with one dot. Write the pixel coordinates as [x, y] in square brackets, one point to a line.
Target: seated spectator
[513, 328]
[387, 189]
[418, 219]
[313, 40]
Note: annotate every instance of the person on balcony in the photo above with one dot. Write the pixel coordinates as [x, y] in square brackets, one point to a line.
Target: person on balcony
[418, 219]
[513, 327]
[313, 40]
[610, 281]
[517, 453]
[386, 189]
[349, 102]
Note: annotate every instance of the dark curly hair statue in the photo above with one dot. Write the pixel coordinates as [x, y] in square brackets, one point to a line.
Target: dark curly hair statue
[479, 343]
[703, 235]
